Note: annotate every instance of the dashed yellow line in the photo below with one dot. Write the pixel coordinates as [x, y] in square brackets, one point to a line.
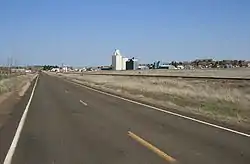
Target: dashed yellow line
[152, 147]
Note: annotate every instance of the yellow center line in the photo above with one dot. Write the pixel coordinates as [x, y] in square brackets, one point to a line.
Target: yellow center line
[151, 147]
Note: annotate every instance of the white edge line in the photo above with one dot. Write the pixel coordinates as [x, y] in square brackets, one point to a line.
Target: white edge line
[165, 111]
[84, 103]
[13, 145]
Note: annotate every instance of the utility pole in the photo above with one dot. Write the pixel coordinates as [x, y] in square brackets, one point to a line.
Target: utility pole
[15, 63]
[8, 66]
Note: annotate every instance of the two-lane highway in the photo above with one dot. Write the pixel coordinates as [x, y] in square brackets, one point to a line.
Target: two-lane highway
[69, 124]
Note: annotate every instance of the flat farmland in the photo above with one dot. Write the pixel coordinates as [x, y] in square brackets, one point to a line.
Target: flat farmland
[223, 100]
[227, 73]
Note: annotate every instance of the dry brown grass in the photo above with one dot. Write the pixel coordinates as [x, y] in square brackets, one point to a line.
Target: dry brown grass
[220, 99]
[13, 83]
[234, 72]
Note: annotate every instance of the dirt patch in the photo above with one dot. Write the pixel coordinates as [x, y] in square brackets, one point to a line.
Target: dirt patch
[4, 96]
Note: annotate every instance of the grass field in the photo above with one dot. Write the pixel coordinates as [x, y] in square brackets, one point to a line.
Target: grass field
[12, 83]
[234, 72]
[225, 100]
[3, 76]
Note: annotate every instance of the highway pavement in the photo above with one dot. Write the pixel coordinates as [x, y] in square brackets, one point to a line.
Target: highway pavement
[70, 124]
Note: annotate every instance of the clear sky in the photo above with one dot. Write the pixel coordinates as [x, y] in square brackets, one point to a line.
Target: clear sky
[86, 32]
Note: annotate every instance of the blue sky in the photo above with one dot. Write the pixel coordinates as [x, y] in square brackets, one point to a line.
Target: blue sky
[80, 32]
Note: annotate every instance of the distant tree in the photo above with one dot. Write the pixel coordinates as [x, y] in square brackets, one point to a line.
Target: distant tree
[174, 63]
[49, 67]
[242, 63]
[215, 64]
[235, 63]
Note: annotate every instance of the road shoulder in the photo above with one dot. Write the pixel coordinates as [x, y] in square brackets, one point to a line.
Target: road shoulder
[11, 111]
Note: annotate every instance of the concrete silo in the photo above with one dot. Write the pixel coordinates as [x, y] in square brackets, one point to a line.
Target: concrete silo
[117, 60]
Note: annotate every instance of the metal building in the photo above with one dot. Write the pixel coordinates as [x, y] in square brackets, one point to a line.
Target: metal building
[132, 64]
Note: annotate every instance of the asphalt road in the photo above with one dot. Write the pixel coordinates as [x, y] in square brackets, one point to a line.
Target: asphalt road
[69, 124]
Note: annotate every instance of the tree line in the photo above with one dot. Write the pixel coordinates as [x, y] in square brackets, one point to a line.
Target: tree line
[49, 67]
